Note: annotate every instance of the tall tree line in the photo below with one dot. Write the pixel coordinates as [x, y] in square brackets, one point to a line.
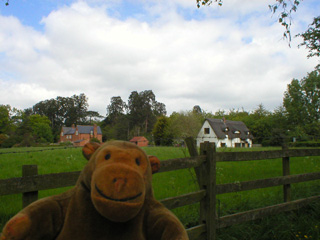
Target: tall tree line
[134, 118]
[42, 123]
[297, 119]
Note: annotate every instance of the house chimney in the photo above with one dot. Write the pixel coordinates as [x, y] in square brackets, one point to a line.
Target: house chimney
[73, 126]
[95, 131]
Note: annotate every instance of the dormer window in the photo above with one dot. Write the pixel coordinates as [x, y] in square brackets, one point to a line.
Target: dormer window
[226, 129]
[206, 130]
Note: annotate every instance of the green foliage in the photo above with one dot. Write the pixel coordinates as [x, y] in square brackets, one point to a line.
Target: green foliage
[135, 118]
[41, 130]
[143, 110]
[65, 111]
[27, 141]
[4, 118]
[286, 8]
[162, 135]
[3, 137]
[305, 144]
[10, 142]
[186, 124]
[95, 140]
[302, 104]
[311, 38]
[116, 109]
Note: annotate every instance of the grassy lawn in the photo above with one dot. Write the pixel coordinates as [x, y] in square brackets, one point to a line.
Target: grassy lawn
[175, 183]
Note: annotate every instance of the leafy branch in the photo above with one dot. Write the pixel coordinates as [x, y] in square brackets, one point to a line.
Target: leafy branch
[285, 7]
[311, 38]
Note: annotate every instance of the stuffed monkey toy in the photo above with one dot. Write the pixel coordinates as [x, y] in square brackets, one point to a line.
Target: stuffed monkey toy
[112, 200]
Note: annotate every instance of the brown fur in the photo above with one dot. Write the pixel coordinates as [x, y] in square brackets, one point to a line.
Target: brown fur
[112, 200]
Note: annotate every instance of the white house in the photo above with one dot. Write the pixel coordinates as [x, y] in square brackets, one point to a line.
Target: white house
[225, 133]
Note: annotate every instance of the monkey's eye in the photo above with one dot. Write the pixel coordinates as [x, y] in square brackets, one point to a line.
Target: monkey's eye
[138, 161]
[107, 157]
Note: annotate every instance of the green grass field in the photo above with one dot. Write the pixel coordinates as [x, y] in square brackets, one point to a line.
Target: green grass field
[296, 225]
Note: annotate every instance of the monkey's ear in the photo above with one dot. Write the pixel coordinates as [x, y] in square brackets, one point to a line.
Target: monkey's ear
[155, 163]
[89, 149]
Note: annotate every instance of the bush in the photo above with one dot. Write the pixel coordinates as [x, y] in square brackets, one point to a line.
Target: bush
[9, 142]
[66, 144]
[305, 144]
[28, 140]
[3, 137]
[95, 140]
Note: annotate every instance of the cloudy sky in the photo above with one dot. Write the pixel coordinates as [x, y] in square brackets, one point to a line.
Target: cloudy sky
[215, 57]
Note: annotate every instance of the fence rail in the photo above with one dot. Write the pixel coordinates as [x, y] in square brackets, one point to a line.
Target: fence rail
[205, 167]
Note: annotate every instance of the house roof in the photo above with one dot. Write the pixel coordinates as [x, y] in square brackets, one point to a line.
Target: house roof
[139, 139]
[88, 129]
[83, 129]
[234, 129]
[68, 130]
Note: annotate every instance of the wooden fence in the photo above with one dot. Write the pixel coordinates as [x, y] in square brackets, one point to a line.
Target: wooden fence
[205, 167]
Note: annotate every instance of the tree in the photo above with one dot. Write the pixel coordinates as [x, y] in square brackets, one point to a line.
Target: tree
[185, 124]
[9, 119]
[311, 38]
[115, 109]
[143, 110]
[162, 135]
[302, 103]
[64, 111]
[260, 125]
[93, 117]
[74, 109]
[293, 102]
[116, 124]
[4, 119]
[52, 109]
[40, 128]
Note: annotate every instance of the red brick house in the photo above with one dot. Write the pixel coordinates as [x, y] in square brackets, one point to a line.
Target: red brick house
[81, 134]
[140, 141]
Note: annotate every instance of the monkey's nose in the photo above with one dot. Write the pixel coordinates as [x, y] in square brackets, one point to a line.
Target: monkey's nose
[119, 183]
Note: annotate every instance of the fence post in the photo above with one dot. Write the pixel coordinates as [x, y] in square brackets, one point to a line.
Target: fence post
[206, 176]
[286, 171]
[209, 150]
[29, 197]
[192, 148]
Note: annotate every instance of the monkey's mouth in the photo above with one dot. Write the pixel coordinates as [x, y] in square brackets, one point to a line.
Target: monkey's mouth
[117, 200]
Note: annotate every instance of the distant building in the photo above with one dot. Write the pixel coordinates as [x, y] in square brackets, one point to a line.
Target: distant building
[140, 141]
[81, 134]
[225, 133]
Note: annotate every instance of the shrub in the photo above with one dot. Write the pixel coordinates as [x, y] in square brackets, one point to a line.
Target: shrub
[95, 140]
[305, 144]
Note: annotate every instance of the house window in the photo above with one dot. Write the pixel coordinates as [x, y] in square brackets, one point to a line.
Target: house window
[77, 133]
[237, 144]
[223, 144]
[62, 134]
[91, 133]
[207, 131]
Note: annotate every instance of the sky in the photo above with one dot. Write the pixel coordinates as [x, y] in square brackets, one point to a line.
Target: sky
[220, 58]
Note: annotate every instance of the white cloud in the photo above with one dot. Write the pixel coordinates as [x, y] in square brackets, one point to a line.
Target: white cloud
[231, 61]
